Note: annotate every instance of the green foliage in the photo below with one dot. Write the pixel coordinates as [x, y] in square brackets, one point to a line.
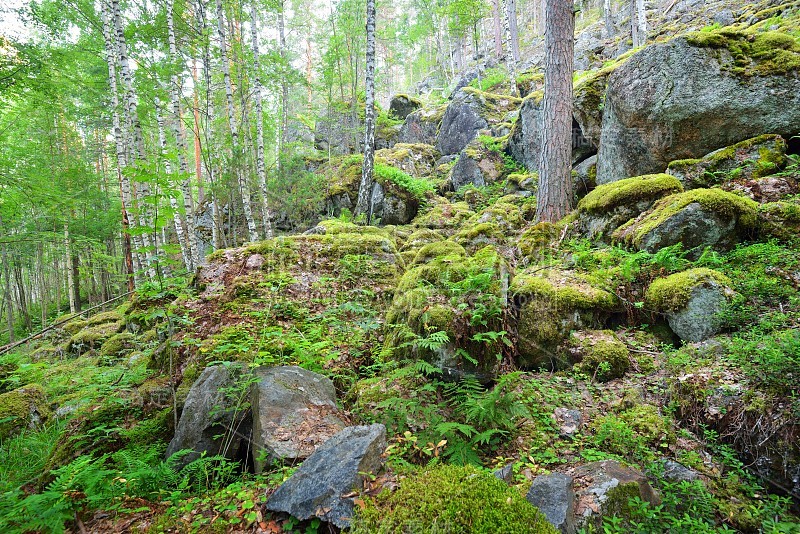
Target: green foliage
[449, 498]
[418, 188]
[490, 80]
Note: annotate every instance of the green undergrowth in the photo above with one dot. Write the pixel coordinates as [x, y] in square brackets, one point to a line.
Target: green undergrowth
[754, 53]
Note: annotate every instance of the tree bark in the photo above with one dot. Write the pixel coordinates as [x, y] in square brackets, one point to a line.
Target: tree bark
[244, 188]
[7, 293]
[73, 305]
[119, 143]
[513, 32]
[364, 204]
[511, 60]
[284, 127]
[261, 167]
[555, 169]
[190, 236]
[498, 29]
[638, 23]
[608, 18]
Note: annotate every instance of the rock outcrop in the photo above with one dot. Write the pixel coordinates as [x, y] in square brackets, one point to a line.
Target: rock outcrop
[553, 495]
[694, 94]
[470, 112]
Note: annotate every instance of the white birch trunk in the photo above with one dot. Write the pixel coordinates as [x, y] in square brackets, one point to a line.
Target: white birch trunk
[240, 178]
[364, 203]
[261, 167]
[511, 60]
[73, 306]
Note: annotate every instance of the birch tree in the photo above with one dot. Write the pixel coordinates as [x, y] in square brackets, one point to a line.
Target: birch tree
[261, 167]
[364, 203]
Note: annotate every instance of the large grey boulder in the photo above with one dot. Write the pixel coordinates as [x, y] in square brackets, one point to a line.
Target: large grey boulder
[524, 143]
[340, 131]
[393, 207]
[553, 495]
[699, 319]
[320, 487]
[688, 96]
[472, 111]
[211, 421]
[294, 412]
[421, 126]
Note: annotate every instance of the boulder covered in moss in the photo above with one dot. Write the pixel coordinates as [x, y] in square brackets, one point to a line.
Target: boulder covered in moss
[697, 218]
[22, 408]
[598, 353]
[552, 303]
[494, 225]
[441, 214]
[694, 94]
[118, 345]
[752, 158]
[478, 165]
[781, 219]
[448, 309]
[470, 112]
[93, 337]
[449, 498]
[611, 205]
[692, 301]
[604, 488]
[401, 106]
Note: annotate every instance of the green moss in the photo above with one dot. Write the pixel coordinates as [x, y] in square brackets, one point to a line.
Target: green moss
[673, 292]
[443, 214]
[486, 230]
[602, 355]
[74, 326]
[394, 179]
[451, 498]
[93, 337]
[420, 238]
[538, 238]
[439, 250]
[105, 317]
[618, 498]
[563, 289]
[731, 205]
[647, 421]
[629, 191]
[278, 251]
[754, 53]
[22, 407]
[117, 345]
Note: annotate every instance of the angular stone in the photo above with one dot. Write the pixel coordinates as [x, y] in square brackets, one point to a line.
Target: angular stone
[294, 412]
[210, 421]
[569, 421]
[321, 486]
[699, 320]
[401, 106]
[553, 495]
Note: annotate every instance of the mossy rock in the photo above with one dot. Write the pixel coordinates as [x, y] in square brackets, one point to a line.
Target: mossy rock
[92, 337]
[455, 293]
[112, 316]
[479, 235]
[443, 215]
[450, 498]
[781, 219]
[117, 346]
[599, 354]
[646, 420]
[673, 292]
[24, 407]
[630, 191]
[74, 326]
[750, 159]
[538, 241]
[754, 53]
[553, 303]
[420, 238]
[697, 218]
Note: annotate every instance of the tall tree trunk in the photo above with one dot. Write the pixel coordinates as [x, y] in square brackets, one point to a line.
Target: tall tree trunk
[190, 236]
[608, 18]
[261, 166]
[513, 32]
[638, 23]
[7, 292]
[198, 156]
[244, 187]
[73, 305]
[555, 169]
[176, 214]
[136, 145]
[284, 80]
[119, 142]
[498, 29]
[41, 282]
[511, 59]
[364, 204]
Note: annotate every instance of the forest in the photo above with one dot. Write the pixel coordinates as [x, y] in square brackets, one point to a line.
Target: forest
[492, 266]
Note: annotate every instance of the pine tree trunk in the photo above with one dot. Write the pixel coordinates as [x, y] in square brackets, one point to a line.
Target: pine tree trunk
[7, 293]
[498, 29]
[190, 236]
[244, 188]
[261, 167]
[364, 204]
[119, 142]
[555, 163]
